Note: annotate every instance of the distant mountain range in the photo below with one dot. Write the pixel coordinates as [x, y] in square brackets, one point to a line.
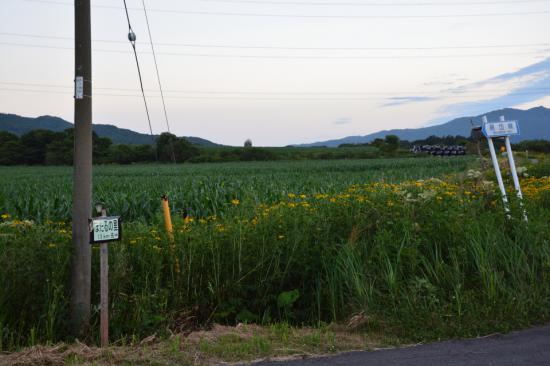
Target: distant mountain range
[20, 125]
[534, 124]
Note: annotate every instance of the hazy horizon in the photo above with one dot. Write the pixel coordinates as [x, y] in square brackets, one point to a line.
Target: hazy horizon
[283, 72]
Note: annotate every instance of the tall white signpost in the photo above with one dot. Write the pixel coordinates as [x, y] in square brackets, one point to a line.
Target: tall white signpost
[503, 129]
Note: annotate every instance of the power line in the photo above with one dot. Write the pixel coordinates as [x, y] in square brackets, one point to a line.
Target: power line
[285, 57]
[326, 3]
[432, 93]
[132, 39]
[320, 98]
[202, 45]
[156, 65]
[172, 152]
[313, 16]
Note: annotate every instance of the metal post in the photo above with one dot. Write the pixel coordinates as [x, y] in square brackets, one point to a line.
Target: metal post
[82, 176]
[515, 175]
[104, 289]
[497, 171]
[513, 168]
[167, 217]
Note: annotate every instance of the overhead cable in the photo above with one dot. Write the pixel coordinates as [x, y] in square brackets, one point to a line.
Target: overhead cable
[289, 57]
[172, 151]
[269, 47]
[380, 4]
[156, 65]
[132, 38]
[314, 16]
[315, 98]
[432, 93]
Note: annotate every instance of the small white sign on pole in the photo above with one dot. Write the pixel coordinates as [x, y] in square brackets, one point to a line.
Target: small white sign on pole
[79, 87]
[104, 229]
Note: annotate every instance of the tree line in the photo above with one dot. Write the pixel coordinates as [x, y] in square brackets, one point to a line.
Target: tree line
[391, 141]
[44, 147]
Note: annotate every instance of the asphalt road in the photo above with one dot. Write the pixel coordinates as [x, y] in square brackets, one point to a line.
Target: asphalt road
[528, 347]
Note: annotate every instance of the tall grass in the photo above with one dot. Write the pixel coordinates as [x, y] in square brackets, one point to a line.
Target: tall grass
[421, 260]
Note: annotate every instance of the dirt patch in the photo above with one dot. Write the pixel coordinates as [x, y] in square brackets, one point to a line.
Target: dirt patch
[221, 344]
[244, 331]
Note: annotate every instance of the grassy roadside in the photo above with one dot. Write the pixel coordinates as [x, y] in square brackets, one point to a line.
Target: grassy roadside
[221, 344]
[427, 259]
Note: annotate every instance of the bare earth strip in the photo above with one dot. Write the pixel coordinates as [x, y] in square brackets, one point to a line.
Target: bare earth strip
[280, 346]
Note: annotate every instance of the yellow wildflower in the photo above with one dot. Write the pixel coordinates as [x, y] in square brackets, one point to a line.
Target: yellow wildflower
[235, 202]
[5, 216]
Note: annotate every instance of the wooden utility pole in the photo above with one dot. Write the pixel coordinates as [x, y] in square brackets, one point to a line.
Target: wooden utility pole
[82, 178]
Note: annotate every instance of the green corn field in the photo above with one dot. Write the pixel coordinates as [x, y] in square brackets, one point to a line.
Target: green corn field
[421, 247]
[133, 192]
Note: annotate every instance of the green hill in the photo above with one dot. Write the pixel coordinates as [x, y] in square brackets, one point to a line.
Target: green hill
[19, 125]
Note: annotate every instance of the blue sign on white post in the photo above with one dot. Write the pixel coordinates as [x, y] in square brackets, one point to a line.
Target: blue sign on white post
[504, 129]
[501, 129]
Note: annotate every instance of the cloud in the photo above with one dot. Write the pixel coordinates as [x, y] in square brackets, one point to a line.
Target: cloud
[539, 67]
[395, 101]
[342, 121]
[522, 86]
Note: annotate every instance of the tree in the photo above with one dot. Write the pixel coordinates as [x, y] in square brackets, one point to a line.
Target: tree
[170, 146]
[101, 147]
[11, 149]
[35, 144]
[248, 143]
[61, 150]
[379, 143]
[122, 154]
[391, 144]
[143, 153]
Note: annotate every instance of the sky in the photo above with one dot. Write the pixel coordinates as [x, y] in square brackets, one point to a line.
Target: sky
[281, 71]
